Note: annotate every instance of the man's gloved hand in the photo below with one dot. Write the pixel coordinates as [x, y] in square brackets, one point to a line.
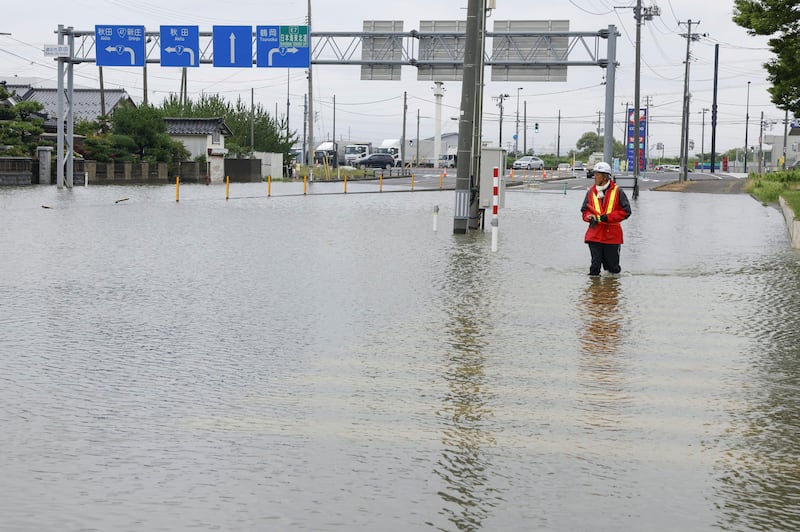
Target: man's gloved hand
[592, 220]
[603, 217]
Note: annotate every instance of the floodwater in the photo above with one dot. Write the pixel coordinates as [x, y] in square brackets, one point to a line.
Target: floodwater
[332, 363]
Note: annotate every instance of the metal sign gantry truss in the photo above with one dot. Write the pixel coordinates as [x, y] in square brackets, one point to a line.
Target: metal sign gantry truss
[523, 54]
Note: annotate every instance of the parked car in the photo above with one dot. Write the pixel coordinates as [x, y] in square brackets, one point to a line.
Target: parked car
[579, 166]
[529, 162]
[376, 160]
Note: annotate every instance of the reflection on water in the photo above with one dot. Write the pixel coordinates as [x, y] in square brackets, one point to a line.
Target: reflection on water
[601, 315]
[601, 365]
[464, 465]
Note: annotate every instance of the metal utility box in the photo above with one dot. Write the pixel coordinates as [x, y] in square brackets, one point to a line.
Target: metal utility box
[492, 157]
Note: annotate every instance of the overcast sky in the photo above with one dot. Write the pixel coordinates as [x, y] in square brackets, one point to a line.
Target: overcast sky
[372, 110]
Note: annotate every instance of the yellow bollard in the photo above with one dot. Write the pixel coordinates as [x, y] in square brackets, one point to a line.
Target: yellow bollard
[305, 183]
[227, 187]
[412, 182]
[345, 184]
[269, 185]
[177, 189]
[441, 178]
[380, 182]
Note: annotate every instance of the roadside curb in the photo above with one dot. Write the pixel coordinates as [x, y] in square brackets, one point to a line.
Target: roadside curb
[792, 223]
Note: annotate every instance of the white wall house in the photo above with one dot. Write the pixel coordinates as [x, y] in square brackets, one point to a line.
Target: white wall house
[203, 136]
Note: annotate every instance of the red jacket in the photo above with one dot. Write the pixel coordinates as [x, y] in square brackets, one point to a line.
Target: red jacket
[614, 205]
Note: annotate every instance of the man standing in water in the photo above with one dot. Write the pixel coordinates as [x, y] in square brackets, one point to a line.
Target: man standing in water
[604, 207]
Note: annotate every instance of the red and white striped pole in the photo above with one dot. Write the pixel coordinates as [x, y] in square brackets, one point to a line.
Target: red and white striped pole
[495, 205]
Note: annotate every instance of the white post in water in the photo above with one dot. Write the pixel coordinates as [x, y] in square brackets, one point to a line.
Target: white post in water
[495, 204]
[435, 217]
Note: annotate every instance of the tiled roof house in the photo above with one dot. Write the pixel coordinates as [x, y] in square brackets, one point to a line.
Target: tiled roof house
[201, 136]
[85, 102]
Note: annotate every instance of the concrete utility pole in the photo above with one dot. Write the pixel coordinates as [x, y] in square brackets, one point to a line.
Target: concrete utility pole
[516, 133]
[746, 126]
[437, 142]
[639, 14]
[703, 140]
[684, 173]
[310, 106]
[471, 92]
[500, 99]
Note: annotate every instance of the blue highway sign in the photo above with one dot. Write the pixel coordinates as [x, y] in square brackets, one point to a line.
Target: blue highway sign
[282, 47]
[233, 46]
[180, 46]
[119, 45]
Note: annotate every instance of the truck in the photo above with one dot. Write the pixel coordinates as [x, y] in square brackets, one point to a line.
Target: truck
[330, 153]
[449, 159]
[392, 147]
[421, 154]
[594, 158]
[355, 151]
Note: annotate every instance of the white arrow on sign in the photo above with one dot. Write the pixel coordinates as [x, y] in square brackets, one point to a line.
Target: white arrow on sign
[180, 50]
[283, 51]
[121, 50]
[233, 49]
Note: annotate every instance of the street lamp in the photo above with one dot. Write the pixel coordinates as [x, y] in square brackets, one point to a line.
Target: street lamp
[746, 124]
[516, 135]
[500, 100]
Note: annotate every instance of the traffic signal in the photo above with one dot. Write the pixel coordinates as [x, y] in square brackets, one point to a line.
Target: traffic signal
[536, 127]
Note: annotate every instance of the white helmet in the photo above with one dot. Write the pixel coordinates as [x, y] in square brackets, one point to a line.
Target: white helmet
[603, 168]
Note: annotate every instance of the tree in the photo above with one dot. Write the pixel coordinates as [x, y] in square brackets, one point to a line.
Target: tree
[21, 125]
[590, 143]
[780, 19]
[268, 132]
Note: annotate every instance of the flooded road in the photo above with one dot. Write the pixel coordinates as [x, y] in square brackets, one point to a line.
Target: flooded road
[330, 362]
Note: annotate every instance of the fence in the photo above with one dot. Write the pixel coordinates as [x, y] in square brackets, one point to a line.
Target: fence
[25, 171]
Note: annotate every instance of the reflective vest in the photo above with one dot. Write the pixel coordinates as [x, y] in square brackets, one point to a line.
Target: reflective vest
[612, 199]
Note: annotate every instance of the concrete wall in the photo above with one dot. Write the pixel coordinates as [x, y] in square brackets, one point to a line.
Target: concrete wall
[271, 164]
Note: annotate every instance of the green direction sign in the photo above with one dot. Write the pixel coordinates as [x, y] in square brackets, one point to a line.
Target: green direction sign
[296, 36]
[282, 46]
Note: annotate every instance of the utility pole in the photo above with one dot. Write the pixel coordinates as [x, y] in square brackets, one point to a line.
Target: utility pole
[403, 144]
[558, 140]
[500, 100]
[516, 133]
[437, 143]
[702, 141]
[714, 111]
[684, 173]
[310, 105]
[639, 14]
[761, 145]
[746, 126]
[471, 92]
[525, 127]
[416, 157]
[785, 136]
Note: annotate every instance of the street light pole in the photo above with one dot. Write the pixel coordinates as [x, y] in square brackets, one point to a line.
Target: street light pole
[746, 126]
[516, 135]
